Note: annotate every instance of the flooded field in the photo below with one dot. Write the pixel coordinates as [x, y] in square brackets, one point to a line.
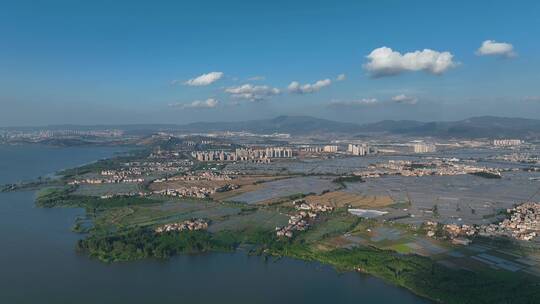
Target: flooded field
[458, 199]
[341, 165]
[349, 164]
[285, 187]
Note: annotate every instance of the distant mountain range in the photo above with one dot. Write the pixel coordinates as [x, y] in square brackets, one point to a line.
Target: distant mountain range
[476, 127]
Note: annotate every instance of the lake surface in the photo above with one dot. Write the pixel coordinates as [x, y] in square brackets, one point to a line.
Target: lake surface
[38, 263]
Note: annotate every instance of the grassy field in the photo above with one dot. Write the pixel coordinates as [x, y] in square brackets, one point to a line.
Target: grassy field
[103, 189]
[340, 199]
[224, 196]
[328, 226]
[166, 212]
[260, 219]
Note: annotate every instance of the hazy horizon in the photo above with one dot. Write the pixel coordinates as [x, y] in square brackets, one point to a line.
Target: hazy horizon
[246, 120]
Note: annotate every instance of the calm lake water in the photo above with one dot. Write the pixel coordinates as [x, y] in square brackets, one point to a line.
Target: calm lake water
[38, 263]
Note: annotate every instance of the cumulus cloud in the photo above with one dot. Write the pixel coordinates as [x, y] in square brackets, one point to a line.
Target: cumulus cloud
[197, 104]
[296, 88]
[384, 61]
[204, 79]
[341, 77]
[353, 103]
[404, 99]
[493, 48]
[252, 93]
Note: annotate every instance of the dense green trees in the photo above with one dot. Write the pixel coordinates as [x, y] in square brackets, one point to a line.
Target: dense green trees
[144, 243]
[425, 276]
[64, 197]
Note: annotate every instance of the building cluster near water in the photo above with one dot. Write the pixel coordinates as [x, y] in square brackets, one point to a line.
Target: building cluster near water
[526, 158]
[165, 166]
[198, 192]
[195, 191]
[523, 223]
[425, 168]
[300, 220]
[111, 180]
[132, 172]
[199, 176]
[189, 225]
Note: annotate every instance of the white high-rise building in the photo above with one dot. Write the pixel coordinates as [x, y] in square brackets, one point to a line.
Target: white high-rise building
[507, 142]
[330, 149]
[360, 149]
[424, 148]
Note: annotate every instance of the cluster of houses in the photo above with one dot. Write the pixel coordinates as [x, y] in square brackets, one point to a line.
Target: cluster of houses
[458, 234]
[122, 172]
[199, 192]
[190, 225]
[111, 180]
[194, 191]
[431, 228]
[526, 158]
[166, 166]
[131, 174]
[305, 206]
[201, 176]
[432, 167]
[523, 224]
[300, 221]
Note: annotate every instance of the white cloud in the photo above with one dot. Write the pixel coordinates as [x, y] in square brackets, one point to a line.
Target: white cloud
[352, 103]
[384, 61]
[204, 79]
[252, 93]
[493, 48]
[404, 99]
[197, 104]
[341, 77]
[296, 88]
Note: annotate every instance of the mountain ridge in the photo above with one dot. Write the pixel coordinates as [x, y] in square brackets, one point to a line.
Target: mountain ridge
[473, 127]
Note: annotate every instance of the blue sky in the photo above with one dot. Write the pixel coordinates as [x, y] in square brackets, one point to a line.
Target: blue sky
[104, 62]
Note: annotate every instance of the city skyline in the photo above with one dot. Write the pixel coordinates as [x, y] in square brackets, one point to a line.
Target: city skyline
[97, 63]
